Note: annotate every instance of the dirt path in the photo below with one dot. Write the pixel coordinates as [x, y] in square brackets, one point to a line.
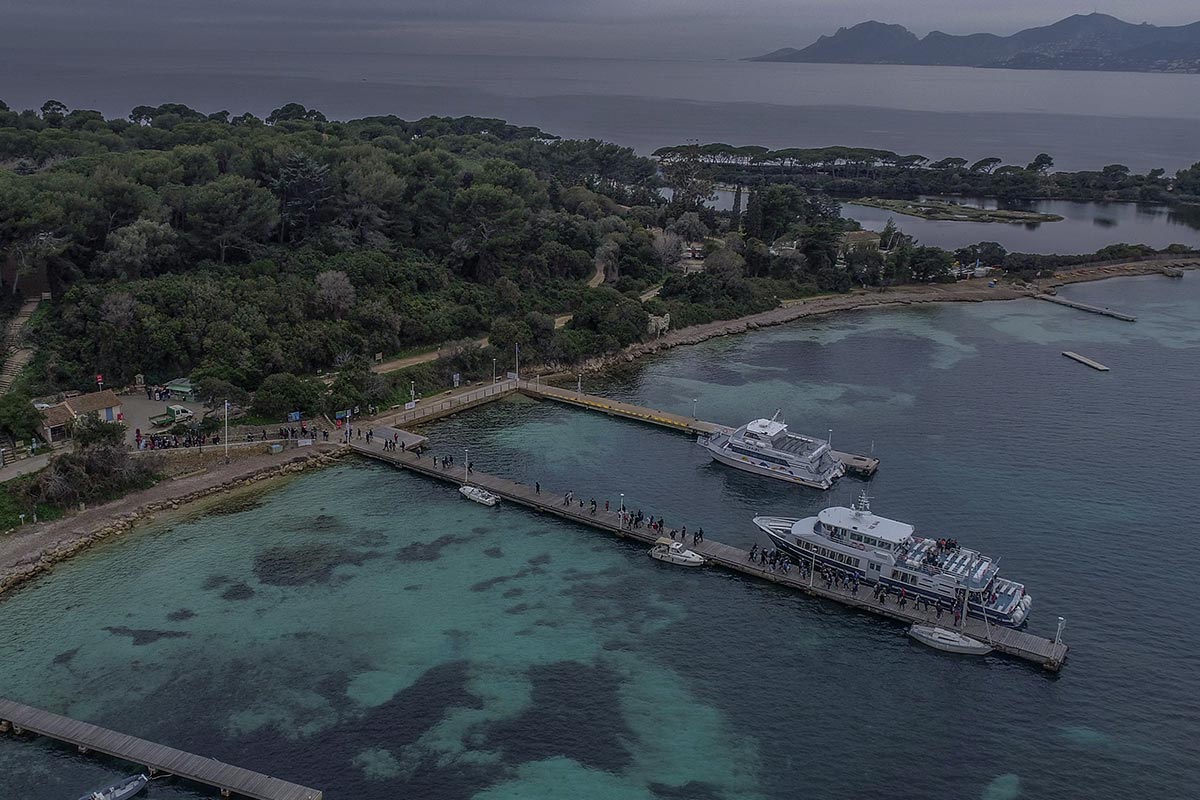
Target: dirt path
[421, 358]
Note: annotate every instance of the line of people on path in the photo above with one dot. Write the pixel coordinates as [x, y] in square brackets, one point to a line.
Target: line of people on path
[773, 560]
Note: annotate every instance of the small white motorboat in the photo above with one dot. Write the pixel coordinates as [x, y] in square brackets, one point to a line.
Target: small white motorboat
[119, 790]
[672, 552]
[479, 495]
[948, 641]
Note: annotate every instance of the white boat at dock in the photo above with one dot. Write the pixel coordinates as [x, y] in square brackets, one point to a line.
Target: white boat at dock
[673, 552]
[766, 447]
[883, 551]
[948, 641]
[479, 495]
[120, 790]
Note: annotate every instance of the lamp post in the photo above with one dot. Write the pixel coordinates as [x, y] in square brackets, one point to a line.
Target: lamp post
[226, 431]
[579, 382]
[412, 390]
[493, 370]
[693, 408]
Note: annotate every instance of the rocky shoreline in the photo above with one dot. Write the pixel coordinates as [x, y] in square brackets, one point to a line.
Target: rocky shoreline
[39, 549]
[974, 291]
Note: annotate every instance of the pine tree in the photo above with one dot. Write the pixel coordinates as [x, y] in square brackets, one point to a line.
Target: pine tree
[737, 207]
[754, 218]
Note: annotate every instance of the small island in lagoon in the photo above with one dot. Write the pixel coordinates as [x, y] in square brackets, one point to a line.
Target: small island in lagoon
[947, 210]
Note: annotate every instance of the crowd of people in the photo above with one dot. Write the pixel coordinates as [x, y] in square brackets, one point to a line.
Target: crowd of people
[303, 432]
[168, 441]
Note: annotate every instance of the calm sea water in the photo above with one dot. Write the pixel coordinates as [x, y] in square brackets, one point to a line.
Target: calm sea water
[1084, 119]
[367, 632]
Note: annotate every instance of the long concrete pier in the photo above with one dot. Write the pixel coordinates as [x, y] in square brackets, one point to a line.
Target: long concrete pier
[858, 464]
[157, 759]
[1107, 312]
[1018, 644]
[1085, 360]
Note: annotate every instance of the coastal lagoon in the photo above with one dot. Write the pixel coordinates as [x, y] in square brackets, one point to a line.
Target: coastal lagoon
[1084, 227]
[367, 632]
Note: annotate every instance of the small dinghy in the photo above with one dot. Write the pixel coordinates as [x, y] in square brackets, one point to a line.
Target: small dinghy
[948, 641]
[479, 495]
[119, 790]
[672, 552]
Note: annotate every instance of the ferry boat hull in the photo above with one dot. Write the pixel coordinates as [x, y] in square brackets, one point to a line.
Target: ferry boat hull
[993, 599]
[754, 466]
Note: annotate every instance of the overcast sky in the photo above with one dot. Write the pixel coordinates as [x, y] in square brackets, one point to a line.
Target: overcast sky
[597, 28]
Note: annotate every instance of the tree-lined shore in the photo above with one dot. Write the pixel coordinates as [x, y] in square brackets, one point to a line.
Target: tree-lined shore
[863, 171]
[277, 261]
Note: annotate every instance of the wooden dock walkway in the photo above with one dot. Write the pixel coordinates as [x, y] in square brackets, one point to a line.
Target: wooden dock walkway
[1018, 644]
[1107, 312]
[1085, 360]
[155, 758]
[865, 466]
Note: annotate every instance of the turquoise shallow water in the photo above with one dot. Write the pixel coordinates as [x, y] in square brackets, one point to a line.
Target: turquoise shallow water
[367, 632]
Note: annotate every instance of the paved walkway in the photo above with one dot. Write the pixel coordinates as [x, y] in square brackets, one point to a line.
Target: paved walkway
[24, 466]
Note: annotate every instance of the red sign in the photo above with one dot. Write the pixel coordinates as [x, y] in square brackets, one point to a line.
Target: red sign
[99, 378]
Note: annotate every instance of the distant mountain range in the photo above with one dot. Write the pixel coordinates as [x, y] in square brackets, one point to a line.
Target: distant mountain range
[1079, 42]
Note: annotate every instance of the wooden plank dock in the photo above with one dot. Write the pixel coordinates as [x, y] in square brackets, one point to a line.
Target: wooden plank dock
[865, 466]
[1085, 360]
[155, 758]
[1107, 312]
[1018, 644]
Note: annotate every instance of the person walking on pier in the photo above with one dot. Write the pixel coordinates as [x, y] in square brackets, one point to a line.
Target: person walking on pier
[470, 467]
[537, 487]
[753, 551]
[605, 506]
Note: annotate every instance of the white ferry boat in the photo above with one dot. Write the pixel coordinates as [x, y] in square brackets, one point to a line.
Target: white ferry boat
[767, 447]
[884, 551]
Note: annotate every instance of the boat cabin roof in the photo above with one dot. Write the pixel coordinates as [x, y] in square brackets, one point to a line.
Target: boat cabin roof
[865, 522]
[765, 427]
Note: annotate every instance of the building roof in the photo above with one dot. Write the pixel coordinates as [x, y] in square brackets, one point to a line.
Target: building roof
[92, 402]
[56, 416]
[180, 384]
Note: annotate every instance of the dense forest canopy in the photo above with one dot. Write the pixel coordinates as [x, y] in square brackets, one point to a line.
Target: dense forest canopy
[178, 242]
[254, 254]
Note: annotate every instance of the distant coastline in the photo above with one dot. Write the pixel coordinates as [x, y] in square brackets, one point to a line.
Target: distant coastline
[1083, 42]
